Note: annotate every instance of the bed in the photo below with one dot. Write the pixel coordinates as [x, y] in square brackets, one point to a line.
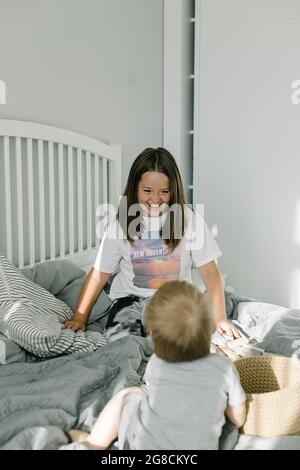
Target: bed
[51, 183]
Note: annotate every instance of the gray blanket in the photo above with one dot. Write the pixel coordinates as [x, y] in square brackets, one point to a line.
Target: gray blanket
[274, 328]
[40, 402]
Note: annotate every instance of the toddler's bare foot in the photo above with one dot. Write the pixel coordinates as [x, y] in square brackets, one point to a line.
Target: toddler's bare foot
[91, 446]
[76, 435]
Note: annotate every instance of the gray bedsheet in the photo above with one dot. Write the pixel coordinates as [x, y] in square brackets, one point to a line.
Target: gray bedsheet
[40, 402]
[274, 328]
[268, 443]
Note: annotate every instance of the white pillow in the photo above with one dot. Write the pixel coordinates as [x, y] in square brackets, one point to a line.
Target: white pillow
[34, 318]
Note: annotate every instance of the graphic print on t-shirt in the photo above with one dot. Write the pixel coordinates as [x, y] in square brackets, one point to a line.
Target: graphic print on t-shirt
[152, 264]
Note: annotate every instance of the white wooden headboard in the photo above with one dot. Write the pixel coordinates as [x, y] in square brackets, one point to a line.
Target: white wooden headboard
[51, 183]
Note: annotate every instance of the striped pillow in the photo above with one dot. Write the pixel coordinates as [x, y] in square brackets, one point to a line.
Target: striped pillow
[34, 318]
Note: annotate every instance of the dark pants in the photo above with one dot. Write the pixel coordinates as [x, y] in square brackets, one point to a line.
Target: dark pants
[126, 317]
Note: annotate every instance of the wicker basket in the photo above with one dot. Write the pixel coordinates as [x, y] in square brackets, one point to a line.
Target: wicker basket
[272, 386]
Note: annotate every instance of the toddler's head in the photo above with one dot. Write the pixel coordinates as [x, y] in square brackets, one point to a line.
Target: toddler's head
[181, 321]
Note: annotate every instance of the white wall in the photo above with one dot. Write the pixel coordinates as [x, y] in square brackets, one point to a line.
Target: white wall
[178, 85]
[249, 142]
[95, 67]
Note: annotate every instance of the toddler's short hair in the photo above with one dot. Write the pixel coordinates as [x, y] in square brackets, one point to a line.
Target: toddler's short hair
[181, 321]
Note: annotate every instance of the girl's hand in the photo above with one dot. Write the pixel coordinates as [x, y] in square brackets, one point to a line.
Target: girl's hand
[74, 325]
[224, 327]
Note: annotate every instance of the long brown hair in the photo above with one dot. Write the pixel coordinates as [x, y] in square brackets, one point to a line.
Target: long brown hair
[162, 161]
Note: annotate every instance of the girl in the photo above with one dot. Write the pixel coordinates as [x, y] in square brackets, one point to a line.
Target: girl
[150, 243]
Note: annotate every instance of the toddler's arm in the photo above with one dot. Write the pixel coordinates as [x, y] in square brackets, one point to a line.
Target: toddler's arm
[236, 414]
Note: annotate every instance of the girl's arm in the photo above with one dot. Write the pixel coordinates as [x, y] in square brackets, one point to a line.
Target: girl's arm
[92, 287]
[212, 279]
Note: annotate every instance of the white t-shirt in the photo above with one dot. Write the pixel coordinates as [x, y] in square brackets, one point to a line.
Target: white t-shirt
[184, 406]
[146, 264]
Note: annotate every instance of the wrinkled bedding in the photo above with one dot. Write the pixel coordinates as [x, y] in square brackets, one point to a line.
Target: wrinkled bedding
[40, 400]
[274, 328]
[268, 443]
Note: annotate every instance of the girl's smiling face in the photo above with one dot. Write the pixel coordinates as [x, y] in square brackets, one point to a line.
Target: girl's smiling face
[153, 193]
